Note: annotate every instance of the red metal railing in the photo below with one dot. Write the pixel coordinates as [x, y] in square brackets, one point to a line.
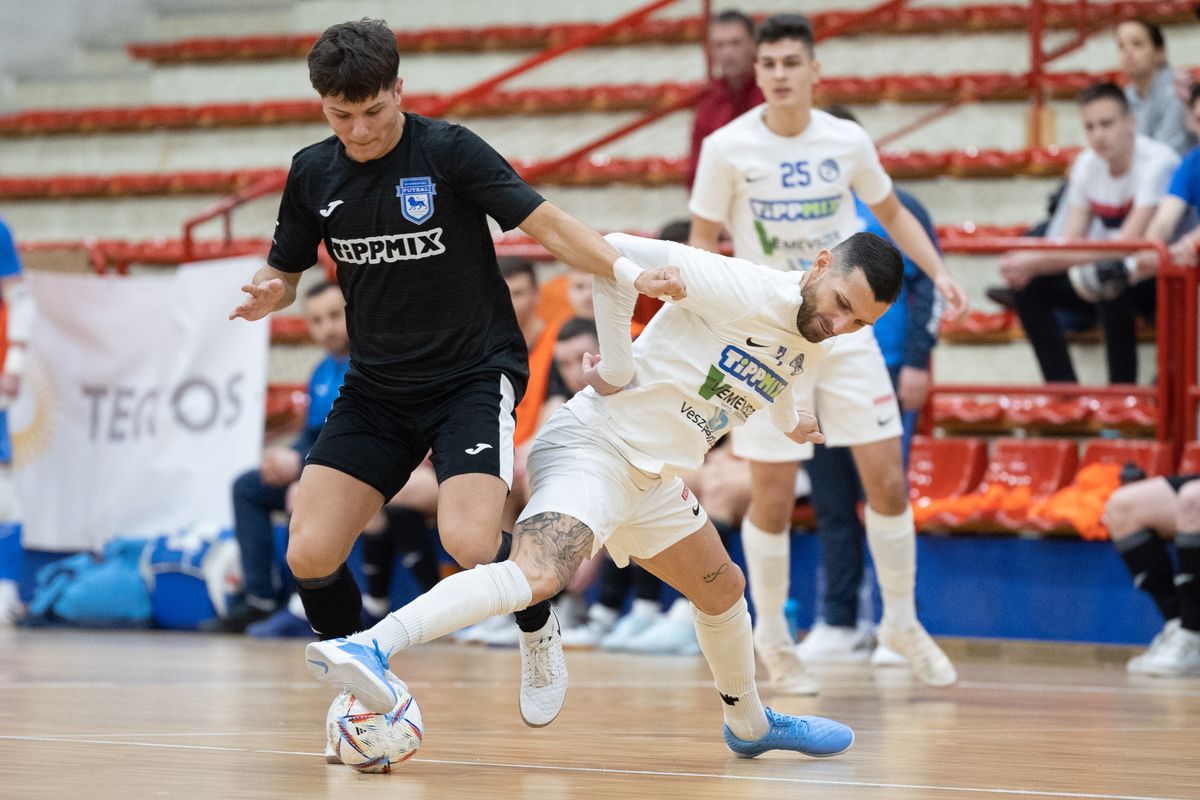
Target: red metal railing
[1175, 334]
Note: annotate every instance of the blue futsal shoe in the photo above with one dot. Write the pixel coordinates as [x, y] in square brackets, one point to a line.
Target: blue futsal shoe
[813, 736]
[363, 669]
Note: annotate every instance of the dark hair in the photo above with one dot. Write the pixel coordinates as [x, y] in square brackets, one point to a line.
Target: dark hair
[1153, 31]
[785, 26]
[676, 231]
[320, 288]
[354, 61]
[729, 16]
[1104, 90]
[1193, 93]
[841, 112]
[577, 326]
[878, 259]
[512, 266]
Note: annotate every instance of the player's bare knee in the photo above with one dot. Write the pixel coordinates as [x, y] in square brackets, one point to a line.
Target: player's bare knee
[470, 549]
[1189, 507]
[888, 493]
[1120, 512]
[726, 587]
[306, 559]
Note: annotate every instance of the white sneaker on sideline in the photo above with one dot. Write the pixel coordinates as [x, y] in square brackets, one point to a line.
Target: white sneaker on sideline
[600, 622]
[834, 644]
[476, 633]
[1177, 656]
[628, 628]
[924, 657]
[786, 671]
[543, 674]
[11, 609]
[884, 656]
[1137, 664]
[666, 637]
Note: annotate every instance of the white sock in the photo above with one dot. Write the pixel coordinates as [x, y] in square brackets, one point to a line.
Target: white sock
[457, 601]
[645, 608]
[893, 543]
[768, 567]
[727, 642]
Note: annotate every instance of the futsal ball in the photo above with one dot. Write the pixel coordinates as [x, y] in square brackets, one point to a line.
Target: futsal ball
[370, 741]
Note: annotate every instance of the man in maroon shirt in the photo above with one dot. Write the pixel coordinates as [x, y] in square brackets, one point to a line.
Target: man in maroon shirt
[733, 91]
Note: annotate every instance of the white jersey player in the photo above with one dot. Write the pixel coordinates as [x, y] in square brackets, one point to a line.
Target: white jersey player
[782, 178]
[602, 469]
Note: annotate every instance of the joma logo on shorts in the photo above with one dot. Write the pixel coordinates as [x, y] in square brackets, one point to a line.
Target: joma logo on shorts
[388, 249]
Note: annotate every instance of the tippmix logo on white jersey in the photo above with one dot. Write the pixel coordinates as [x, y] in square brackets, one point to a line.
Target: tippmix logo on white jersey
[388, 249]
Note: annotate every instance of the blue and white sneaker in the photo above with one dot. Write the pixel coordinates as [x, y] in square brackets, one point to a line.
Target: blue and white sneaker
[363, 669]
[813, 736]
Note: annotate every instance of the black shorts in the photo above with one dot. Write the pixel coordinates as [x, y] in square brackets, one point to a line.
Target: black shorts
[380, 439]
[1177, 481]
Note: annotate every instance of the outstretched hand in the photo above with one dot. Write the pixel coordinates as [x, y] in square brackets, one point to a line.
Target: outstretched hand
[956, 298]
[661, 282]
[592, 375]
[262, 301]
[807, 431]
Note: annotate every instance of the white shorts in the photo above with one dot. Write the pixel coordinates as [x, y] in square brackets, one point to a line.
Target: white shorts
[575, 471]
[850, 392]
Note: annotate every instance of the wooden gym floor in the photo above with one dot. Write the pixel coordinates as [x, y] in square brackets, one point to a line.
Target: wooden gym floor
[152, 714]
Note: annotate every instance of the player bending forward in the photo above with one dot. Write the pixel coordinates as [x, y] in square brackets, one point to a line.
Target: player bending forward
[603, 468]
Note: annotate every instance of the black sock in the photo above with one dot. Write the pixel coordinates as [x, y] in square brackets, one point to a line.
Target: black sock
[1187, 582]
[1149, 562]
[528, 619]
[410, 536]
[333, 604]
[378, 561]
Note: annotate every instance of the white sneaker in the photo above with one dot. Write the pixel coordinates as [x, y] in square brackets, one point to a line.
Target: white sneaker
[1177, 656]
[628, 628]
[884, 656]
[11, 609]
[543, 674]
[1137, 664]
[786, 671]
[665, 637]
[924, 657]
[834, 644]
[587, 636]
[480, 631]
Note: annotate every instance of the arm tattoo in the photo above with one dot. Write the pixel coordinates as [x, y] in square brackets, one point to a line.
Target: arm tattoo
[555, 543]
[718, 572]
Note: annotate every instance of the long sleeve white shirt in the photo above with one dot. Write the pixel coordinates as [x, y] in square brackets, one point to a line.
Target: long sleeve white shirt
[703, 365]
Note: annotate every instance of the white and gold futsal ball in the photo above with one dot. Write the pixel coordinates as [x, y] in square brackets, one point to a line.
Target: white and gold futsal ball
[370, 741]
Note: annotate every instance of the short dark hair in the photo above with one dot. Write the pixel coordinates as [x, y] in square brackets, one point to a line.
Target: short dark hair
[354, 60]
[1104, 90]
[676, 231]
[320, 288]
[1153, 31]
[879, 260]
[841, 112]
[512, 266]
[785, 26]
[577, 326]
[729, 16]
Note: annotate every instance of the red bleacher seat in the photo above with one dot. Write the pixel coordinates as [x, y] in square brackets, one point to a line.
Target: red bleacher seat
[287, 403]
[1126, 412]
[1042, 465]
[1047, 411]
[965, 411]
[1153, 457]
[945, 467]
[1189, 462]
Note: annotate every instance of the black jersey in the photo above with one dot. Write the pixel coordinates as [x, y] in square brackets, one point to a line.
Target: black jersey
[426, 306]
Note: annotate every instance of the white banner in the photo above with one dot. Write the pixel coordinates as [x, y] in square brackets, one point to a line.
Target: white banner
[141, 403]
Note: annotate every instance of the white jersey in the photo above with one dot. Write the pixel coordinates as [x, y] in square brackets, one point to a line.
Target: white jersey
[703, 365]
[784, 199]
[1110, 198]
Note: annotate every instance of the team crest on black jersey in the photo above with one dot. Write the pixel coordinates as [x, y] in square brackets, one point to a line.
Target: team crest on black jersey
[416, 198]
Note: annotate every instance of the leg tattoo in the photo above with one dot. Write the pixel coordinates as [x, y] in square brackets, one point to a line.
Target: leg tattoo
[553, 544]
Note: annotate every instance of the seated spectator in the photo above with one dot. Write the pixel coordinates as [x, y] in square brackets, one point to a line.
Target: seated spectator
[1119, 180]
[1178, 210]
[1140, 516]
[259, 492]
[733, 90]
[1150, 90]
[17, 321]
